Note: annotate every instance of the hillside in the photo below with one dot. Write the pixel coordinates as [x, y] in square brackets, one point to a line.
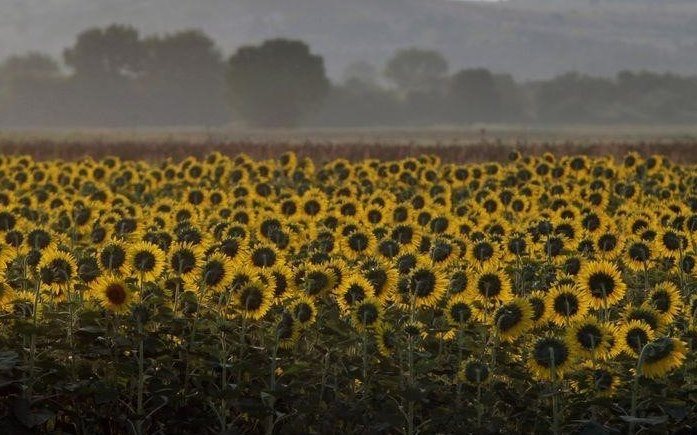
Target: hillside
[530, 38]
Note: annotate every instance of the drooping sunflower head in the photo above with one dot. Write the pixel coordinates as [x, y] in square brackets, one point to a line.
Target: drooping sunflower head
[185, 259]
[638, 254]
[459, 311]
[427, 285]
[589, 338]
[304, 310]
[662, 356]
[474, 372]
[354, 289]
[512, 319]
[566, 303]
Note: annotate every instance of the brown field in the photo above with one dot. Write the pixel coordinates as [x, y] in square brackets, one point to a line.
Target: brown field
[476, 143]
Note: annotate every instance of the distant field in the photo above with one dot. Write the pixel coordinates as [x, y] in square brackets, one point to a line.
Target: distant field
[476, 143]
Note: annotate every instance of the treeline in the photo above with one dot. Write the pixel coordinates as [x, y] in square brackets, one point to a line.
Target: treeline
[114, 76]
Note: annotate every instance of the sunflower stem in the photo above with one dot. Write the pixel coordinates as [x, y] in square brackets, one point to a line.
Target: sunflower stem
[270, 419]
[635, 388]
[555, 403]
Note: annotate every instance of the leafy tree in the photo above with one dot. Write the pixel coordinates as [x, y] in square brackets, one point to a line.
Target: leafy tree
[114, 51]
[474, 95]
[183, 79]
[416, 70]
[276, 83]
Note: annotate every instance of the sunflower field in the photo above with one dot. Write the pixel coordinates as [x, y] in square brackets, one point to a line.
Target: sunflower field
[227, 295]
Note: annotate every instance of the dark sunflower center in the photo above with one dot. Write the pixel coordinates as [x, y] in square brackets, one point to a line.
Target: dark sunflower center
[550, 350]
[88, 269]
[388, 248]
[441, 252]
[671, 241]
[252, 298]
[183, 261]
[601, 285]
[406, 263]
[355, 293]
[377, 278]
[458, 282]
[572, 266]
[358, 242]
[589, 337]
[661, 301]
[230, 248]
[489, 285]
[303, 312]
[144, 261]
[607, 242]
[423, 283]
[281, 284]
[403, 234]
[602, 379]
[658, 350]
[7, 221]
[115, 293]
[636, 338]
[538, 308]
[39, 239]
[439, 225]
[483, 251]
[554, 246]
[507, 317]
[264, 257]
[312, 207]
[591, 222]
[461, 312]
[639, 252]
[517, 246]
[566, 304]
[213, 272]
[315, 282]
[367, 314]
[112, 257]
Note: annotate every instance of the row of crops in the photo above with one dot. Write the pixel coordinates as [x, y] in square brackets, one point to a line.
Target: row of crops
[228, 295]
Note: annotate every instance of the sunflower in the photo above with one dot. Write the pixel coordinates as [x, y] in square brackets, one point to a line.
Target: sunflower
[550, 358]
[112, 292]
[662, 356]
[426, 285]
[602, 281]
[386, 339]
[254, 299]
[146, 260]
[638, 254]
[215, 273]
[474, 371]
[303, 310]
[537, 301]
[566, 303]
[358, 244]
[589, 338]
[459, 310]
[112, 258]
[483, 253]
[263, 256]
[512, 319]
[633, 336]
[287, 331]
[56, 270]
[665, 299]
[671, 242]
[367, 314]
[352, 290]
[599, 379]
[184, 259]
[314, 280]
[7, 294]
[382, 276]
[490, 285]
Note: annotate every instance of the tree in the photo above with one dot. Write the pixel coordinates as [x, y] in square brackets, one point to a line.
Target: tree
[416, 70]
[474, 95]
[276, 83]
[115, 51]
[183, 79]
